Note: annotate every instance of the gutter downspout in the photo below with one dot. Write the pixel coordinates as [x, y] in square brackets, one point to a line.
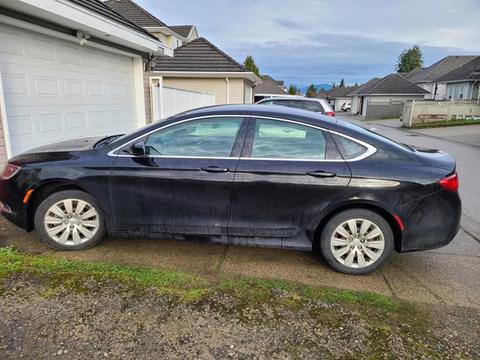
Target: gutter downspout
[227, 80]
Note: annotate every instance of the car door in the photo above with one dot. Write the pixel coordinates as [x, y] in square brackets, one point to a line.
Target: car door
[184, 181]
[288, 173]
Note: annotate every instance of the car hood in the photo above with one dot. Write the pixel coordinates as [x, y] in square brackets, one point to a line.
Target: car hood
[435, 158]
[69, 145]
[57, 151]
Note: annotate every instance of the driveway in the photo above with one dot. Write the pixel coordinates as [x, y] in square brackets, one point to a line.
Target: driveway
[444, 276]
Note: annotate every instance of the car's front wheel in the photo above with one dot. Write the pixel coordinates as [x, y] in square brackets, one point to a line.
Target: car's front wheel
[69, 220]
[356, 241]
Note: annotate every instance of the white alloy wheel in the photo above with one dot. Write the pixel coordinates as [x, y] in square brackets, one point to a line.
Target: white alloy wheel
[71, 222]
[357, 243]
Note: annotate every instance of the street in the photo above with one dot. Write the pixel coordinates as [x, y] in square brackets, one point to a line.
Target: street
[443, 276]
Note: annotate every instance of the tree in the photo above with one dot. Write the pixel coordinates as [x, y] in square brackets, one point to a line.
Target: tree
[334, 85]
[311, 91]
[250, 65]
[409, 59]
[293, 89]
[342, 83]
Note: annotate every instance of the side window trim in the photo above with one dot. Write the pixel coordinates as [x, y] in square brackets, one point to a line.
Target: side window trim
[236, 149]
[247, 148]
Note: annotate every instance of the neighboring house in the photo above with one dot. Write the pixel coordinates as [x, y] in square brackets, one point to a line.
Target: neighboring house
[338, 96]
[269, 87]
[69, 69]
[391, 88]
[200, 74]
[200, 67]
[171, 36]
[188, 32]
[429, 78]
[464, 82]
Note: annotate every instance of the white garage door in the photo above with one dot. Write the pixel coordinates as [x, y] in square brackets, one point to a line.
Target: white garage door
[57, 90]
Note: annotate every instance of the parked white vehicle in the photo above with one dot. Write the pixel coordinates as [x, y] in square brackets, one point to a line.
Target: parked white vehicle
[346, 106]
[300, 102]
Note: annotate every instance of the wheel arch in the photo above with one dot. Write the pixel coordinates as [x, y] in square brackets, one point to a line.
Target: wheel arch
[387, 215]
[44, 190]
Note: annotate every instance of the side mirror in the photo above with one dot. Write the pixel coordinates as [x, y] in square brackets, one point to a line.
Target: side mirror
[138, 149]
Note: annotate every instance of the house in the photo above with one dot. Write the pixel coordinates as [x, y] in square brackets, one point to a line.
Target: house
[391, 88]
[171, 36]
[464, 82]
[338, 96]
[198, 75]
[269, 87]
[429, 78]
[69, 69]
[199, 68]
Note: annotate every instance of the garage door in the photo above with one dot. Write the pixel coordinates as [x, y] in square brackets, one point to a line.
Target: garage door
[57, 90]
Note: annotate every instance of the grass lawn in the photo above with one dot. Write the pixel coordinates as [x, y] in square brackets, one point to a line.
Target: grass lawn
[445, 123]
[95, 309]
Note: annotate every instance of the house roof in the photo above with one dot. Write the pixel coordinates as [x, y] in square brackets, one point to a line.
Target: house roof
[183, 30]
[280, 83]
[439, 69]
[269, 86]
[343, 91]
[199, 55]
[389, 85]
[469, 71]
[110, 13]
[359, 89]
[134, 13]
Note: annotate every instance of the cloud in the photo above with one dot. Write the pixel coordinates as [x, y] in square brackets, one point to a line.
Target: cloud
[322, 40]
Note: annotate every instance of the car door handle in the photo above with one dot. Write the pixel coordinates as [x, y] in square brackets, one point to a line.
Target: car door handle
[321, 174]
[215, 169]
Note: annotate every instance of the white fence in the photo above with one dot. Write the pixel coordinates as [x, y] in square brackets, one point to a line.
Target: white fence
[425, 111]
[169, 101]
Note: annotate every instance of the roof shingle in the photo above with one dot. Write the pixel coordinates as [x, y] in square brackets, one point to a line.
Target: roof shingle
[135, 13]
[198, 55]
[269, 86]
[182, 30]
[469, 71]
[389, 85]
[101, 8]
[439, 69]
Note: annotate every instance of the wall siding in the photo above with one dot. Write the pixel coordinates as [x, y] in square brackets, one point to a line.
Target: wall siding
[217, 87]
[148, 98]
[3, 149]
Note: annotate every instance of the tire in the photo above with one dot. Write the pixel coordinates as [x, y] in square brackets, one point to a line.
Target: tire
[69, 220]
[373, 243]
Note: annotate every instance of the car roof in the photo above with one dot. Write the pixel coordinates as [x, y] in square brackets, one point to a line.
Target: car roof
[285, 98]
[275, 112]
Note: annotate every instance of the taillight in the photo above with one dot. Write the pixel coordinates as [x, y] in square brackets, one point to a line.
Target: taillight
[450, 183]
[330, 113]
[9, 171]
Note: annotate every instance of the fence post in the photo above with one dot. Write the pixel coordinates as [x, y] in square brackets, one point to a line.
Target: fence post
[410, 116]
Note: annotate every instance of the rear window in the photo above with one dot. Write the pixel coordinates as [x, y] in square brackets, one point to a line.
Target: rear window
[348, 148]
[312, 106]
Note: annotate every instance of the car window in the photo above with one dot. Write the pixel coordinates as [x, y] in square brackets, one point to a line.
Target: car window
[283, 140]
[312, 106]
[290, 103]
[348, 148]
[269, 102]
[213, 137]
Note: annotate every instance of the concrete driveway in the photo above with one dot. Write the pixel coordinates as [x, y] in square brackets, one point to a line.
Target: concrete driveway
[444, 276]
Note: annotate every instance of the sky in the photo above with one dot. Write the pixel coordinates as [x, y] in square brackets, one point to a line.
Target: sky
[322, 41]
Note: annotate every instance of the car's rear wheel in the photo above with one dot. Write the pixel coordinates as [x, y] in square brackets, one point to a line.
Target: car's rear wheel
[69, 220]
[356, 241]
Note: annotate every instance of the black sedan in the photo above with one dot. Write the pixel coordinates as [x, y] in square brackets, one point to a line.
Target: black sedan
[248, 175]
